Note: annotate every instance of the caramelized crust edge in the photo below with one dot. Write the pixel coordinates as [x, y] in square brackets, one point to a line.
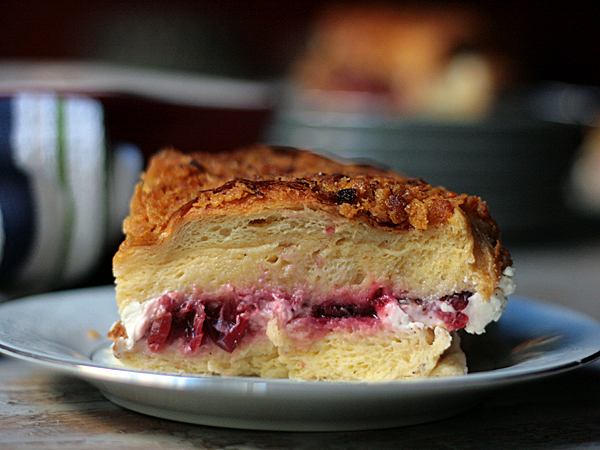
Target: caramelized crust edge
[178, 187]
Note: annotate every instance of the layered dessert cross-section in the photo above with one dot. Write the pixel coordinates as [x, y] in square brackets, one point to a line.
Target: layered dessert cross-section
[281, 263]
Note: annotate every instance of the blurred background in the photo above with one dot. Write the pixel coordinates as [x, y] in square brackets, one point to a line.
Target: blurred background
[498, 100]
[260, 38]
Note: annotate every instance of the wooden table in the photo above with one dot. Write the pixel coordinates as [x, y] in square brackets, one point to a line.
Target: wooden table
[43, 409]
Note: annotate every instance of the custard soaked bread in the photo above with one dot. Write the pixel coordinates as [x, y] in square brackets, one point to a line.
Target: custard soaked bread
[280, 263]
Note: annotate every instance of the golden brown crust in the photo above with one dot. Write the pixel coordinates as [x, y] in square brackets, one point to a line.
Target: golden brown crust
[178, 186]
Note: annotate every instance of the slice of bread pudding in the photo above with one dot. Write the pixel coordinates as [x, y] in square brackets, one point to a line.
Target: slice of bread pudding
[281, 263]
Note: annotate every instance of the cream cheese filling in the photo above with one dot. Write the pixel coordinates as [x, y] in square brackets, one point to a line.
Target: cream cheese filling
[137, 317]
[481, 312]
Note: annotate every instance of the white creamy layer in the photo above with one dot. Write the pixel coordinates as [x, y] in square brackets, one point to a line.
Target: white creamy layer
[481, 312]
[136, 318]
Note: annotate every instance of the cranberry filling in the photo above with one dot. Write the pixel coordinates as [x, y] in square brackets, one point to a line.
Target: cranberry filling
[339, 310]
[226, 323]
[162, 322]
[189, 318]
[457, 319]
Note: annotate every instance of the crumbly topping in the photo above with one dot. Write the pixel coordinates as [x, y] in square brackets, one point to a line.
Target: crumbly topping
[177, 184]
[117, 331]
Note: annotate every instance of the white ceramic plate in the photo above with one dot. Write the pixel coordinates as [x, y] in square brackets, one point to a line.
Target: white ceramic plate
[65, 331]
